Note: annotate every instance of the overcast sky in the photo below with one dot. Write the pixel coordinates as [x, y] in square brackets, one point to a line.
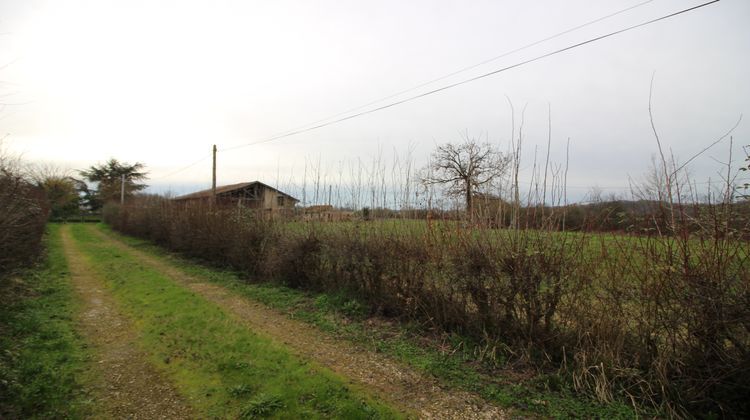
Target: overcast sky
[159, 82]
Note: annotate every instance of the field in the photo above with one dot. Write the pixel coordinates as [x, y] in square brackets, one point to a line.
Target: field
[196, 337]
[221, 314]
[452, 358]
[650, 320]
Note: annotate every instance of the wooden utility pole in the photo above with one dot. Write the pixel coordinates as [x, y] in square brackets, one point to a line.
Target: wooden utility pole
[122, 189]
[213, 179]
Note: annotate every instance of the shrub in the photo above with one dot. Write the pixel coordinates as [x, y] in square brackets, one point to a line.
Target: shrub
[23, 215]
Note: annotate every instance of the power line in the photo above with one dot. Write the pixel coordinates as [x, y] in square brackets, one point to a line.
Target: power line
[472, 79]
[412, 98]
[471, 67]
[183, 168]
[623, 187]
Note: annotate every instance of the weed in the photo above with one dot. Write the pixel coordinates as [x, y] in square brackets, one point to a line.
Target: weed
[241, 390]
[262, 405]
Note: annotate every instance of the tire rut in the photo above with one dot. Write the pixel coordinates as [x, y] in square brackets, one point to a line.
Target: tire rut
[125, 384]
[393, 382]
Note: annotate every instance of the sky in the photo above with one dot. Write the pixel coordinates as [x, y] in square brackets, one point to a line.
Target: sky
[160, 82]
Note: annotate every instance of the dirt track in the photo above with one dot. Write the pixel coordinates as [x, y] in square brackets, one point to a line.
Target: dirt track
[394, 383]
[125, 384]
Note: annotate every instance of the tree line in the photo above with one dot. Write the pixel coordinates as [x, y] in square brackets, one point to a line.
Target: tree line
[31, 195]
[69, 196]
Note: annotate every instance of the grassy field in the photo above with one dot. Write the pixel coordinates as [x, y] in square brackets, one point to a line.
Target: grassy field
[42, 359]
[224, 369]
[649, 319]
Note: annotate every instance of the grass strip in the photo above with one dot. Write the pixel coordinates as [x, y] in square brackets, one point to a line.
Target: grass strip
[42, 358]
[224, 369]
[454, 362]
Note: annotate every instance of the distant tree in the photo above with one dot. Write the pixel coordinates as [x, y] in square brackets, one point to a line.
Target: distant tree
[743, 191]
[108, 177]
[465, 168]
[62, 192]
[90, 200]
[62, 195]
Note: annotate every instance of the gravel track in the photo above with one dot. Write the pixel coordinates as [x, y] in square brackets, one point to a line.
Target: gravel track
[393, 382]
[125, 384]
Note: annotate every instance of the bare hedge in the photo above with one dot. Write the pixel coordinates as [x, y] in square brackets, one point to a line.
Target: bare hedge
[661, 321]
[23, 215]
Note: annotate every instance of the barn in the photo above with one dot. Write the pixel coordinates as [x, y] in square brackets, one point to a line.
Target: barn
[253, 195]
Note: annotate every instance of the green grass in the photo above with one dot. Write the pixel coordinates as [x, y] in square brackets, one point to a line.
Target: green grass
[42, 359]
[87, 218]
[340, 315]
[223, 369]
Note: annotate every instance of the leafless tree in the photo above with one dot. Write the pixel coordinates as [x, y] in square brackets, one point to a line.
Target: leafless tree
[744, 188]
[465, 169]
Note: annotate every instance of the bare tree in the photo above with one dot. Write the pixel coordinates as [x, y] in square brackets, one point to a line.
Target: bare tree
[465, 169]
[744, 189]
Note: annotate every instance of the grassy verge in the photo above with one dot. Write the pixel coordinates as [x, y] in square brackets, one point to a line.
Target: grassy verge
[42, 359]
[453, 359]
[224, 369]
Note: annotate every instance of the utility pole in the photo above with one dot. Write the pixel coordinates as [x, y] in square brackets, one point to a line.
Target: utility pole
[213, 179]
[122, 189]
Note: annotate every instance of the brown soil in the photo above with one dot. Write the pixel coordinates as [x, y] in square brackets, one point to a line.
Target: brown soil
[393, 382]
[124, 384]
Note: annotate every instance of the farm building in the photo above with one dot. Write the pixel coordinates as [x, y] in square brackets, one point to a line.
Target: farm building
[253, 195]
